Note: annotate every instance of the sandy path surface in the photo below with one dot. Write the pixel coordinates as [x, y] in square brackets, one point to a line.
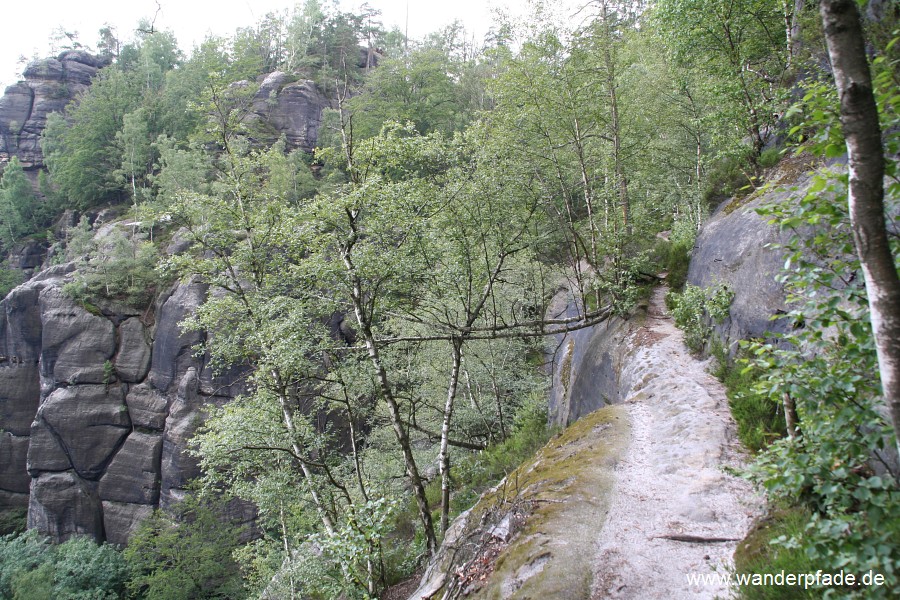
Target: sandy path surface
[673, 479]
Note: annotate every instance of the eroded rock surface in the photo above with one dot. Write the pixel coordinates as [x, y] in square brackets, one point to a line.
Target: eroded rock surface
[49, 85]
[91, 435]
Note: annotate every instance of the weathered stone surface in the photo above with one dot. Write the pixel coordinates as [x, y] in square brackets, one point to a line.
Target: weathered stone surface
[172, 348]
[20, 325]
[63, 504]
[15, 110]
[50, 84]
[13, 499]
[133, 359]
[121, 520]
[13, 454]
[20, 392]
[147, 408]
[90, 422]
[291, 108]
[75, 344]
[585, 365]
[133, 475]
[45, 451]
[185, 414]
[733, 250]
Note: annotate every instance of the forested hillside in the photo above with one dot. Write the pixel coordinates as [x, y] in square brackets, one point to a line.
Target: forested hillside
[377, 234]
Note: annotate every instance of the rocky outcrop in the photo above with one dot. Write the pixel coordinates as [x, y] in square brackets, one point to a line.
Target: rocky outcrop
[97, 407]
[586, 367]
[290, 108]
[49, 85]
[735, 249]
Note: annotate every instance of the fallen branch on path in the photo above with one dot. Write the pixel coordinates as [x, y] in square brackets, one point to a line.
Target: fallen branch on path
[695, 539]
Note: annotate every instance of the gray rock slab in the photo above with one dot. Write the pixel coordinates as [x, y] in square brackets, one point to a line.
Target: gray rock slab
[121, 520]
[75, 344]
[172, 348]
[133, 358]
[20, 392]
[62, 505]
[133, 475]
[13, 456]
[147, 408]
[90, 422]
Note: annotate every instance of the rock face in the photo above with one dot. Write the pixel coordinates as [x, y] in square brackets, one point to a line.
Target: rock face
[733, 250]
[49, 85]
[290, 108]
[97, 408]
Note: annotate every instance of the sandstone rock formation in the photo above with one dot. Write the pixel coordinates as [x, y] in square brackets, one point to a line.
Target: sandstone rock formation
[49, 85]
[290, 108]
[97, 408]
[735, 249]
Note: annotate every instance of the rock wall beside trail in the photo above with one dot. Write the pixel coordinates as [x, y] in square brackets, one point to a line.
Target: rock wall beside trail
[734, 250]
[586, 367]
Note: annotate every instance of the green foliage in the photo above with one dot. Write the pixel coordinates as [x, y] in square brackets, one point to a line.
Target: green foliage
[184, 556]
[18, 208]
[13, 520]
[79, 569]
[760, 552]
[418, 88]
[720, 39]
[478, 472]
[341, 564]
[116, 266]
[9, 278]
[696, 310]
[81, 151]
[828, 366]
[769, 158]
[760, 420]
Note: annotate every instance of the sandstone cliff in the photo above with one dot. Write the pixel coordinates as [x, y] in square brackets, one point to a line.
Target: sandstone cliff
[97, 406]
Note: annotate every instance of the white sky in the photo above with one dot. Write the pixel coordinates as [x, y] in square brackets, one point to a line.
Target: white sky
[25, 28]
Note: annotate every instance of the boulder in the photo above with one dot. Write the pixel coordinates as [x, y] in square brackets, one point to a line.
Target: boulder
[133, 358]
[90, 422]
[62, 505]
[75, 344]
[133, 475]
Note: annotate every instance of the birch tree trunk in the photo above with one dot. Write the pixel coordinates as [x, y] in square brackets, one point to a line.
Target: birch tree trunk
[859, 118]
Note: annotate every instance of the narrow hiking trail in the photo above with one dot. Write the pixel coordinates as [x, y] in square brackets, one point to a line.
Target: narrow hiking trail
[629, 501]
[672, 479]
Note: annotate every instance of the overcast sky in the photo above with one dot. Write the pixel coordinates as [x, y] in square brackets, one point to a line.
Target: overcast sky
[25, 28]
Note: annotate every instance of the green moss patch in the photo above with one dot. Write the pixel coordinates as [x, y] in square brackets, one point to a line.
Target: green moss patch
[552, 508]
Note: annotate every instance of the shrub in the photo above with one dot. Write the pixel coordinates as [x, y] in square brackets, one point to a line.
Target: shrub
[78, 569]
[695, 308]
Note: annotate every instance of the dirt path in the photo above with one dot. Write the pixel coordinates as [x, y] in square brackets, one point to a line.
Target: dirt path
[672, 479]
